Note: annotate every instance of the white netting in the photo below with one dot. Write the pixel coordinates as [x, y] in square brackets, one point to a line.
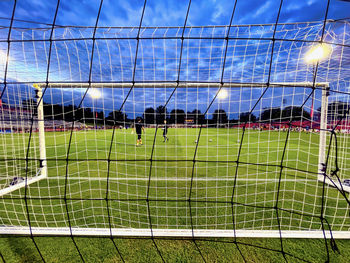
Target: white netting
[98, 178]
[15, 120]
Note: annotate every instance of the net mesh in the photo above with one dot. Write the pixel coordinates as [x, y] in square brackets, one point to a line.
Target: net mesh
[242, 147]
[16, 116]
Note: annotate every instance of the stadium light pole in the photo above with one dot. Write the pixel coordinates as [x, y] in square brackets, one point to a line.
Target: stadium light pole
[223, 94]
[94, 94]
[315, 55]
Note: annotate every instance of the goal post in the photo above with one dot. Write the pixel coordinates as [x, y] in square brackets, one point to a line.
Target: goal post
[323, 177]
[24, 179]
[323, 127]
[159, 232]
[41, 130]
[247, 162]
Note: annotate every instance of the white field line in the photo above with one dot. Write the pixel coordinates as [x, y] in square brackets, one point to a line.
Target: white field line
[178, 179]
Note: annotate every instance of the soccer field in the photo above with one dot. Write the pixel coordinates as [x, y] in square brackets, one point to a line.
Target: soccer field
[254, 97]
[142, 192]
[160, 184]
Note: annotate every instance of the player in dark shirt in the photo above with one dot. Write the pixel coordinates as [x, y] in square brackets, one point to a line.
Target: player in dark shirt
[139, 128]
[165, 132]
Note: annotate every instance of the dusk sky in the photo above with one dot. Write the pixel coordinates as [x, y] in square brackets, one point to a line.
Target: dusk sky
[172, 12]
[247, 61]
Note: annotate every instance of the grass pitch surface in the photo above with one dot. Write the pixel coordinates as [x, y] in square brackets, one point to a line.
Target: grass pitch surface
[154, 183]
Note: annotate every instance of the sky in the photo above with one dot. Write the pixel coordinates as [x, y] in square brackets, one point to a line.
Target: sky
[202, 60]
[172, 12]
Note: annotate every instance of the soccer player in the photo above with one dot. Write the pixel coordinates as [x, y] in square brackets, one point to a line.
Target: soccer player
[139, 128]
[165, 132]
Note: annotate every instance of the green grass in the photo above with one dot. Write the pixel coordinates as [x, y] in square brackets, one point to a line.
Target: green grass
[61, 249]
[174, 178]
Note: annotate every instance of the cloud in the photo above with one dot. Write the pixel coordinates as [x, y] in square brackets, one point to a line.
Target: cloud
[219, 11]
[262, 10]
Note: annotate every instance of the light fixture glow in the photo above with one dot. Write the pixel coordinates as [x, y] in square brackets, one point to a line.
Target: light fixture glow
[95, 93]
[318, 53]
[222, 94]
[3, 58]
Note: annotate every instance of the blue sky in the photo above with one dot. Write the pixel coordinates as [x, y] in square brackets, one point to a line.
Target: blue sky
[202, 60]
[172, 12]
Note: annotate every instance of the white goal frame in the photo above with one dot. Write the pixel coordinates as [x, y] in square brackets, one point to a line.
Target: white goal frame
[185, 233]
[42, 171]
[322, 177]
[181, 233]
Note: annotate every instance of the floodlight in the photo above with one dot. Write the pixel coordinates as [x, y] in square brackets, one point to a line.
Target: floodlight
[4, 57]
[95, 93]
[222, 94]
[318, 53]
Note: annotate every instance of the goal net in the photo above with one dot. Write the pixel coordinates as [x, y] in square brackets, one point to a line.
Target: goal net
[23, 159]
[243, 135]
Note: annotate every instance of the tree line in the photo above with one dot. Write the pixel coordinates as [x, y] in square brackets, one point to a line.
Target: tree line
[336, 110]
[178, 116]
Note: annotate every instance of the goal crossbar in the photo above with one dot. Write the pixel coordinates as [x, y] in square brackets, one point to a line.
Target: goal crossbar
[179, 84]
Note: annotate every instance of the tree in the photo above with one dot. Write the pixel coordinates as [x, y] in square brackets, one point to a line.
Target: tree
[149, 116]
[53, 111]
[100, 116]
[177, 116]
[161, 114]
[30, 105]
[70, 113]
[295, 113]
[87, 114]
[118, 116]
[247, 117]
[338, 110]
[270, 114]
[198, 117]
[220, 116]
